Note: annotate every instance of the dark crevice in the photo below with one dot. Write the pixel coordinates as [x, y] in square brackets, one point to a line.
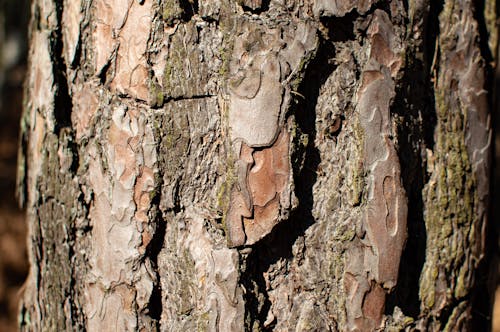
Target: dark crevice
[103, 74]
[169, 99]
[166, 100]
[341, 29]
[155, 304]
[62, 100]
[36, 18]
[278, 244]
[384, 5]
[431, 51]
[63, 107]
[85, 227]
[38, 253]
[483, 283]
[66, 139]
[486, 52]
[486, 273]
[406, 6]
[78, 54]
[153, 249]
[263, 7]
[24, 318]
[482, 296]
[414, 107]
[156, 244]
[447, 312]
[176, 209]
[492, 228]
[189, 9]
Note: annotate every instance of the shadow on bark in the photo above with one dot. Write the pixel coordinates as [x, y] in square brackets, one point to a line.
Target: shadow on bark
[483, 292]
[414, 100]
[278, 244]
[155, 306]
[63, 105]
[262, 6]
[189, 8]
[414, 105]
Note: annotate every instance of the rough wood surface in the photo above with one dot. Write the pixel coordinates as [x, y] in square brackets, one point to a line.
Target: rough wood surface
[280, 165]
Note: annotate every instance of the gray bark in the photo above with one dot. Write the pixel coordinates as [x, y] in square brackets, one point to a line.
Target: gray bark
[257, 165]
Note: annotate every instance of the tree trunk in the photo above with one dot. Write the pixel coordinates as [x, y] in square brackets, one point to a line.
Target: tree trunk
[221, 165]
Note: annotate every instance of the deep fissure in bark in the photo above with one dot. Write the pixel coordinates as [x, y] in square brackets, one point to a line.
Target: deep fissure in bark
[194, 97]
[63, 105]
[278, 244]
[430, 50]
[417, 121]
[486, 273]
[406, 294]
[341, 29]
[264, 6]
[153, 249]
[189, 9]
[486, 53]
[103, 74]
[36, 19]
[490, 270]
[78, 55]
[38, 253]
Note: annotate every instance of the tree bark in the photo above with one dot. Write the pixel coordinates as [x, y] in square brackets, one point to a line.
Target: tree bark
[223, 165]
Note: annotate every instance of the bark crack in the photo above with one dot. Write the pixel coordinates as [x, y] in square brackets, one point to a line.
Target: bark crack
[277, 246]
[486, 53]
[194, 97]
[417, 120]
[153, 249]
[482, 312]
[63, 104]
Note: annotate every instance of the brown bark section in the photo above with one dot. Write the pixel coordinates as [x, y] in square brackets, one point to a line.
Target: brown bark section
[255, 205]
[221, 165]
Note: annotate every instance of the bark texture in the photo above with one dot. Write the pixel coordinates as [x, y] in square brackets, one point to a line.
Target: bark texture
[224, 165]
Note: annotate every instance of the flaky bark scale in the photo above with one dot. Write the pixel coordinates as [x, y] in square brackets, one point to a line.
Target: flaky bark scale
[239, 165]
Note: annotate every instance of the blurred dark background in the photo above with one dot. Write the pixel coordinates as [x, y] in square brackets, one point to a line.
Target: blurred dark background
[13, 258]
